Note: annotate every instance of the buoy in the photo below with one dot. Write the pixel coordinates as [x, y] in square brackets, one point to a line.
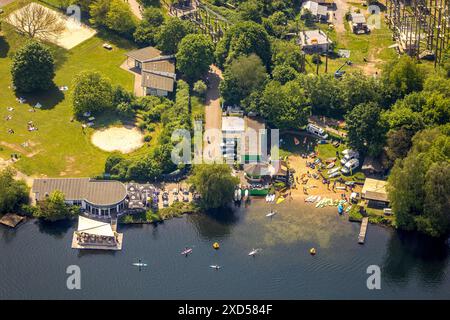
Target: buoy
[216, 245]
[312, 251]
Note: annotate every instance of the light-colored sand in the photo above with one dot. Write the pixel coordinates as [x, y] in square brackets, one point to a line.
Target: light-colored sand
[74, 33]
[123, 139]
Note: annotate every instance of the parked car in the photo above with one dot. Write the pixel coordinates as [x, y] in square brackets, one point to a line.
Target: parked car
[349, 155]
[350, 166]
[316, 130]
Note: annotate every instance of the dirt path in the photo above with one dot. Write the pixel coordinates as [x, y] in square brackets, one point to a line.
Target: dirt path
[213, 114]
[135, 8]
[339, 15]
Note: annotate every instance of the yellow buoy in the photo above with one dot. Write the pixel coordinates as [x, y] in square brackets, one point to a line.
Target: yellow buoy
[216, 245]
[312, 251]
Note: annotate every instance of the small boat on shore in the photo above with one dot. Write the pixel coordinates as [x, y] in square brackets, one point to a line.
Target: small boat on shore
[271, 214]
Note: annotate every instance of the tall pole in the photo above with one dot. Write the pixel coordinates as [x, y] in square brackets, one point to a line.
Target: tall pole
[326, 54]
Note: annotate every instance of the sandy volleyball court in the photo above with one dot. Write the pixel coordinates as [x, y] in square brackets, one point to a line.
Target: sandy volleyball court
[74, 33]
[123, 139]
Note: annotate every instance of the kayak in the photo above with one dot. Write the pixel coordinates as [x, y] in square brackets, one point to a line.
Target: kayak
[268, 198]
[280, 200]
[186, 252]
[214, 266]
[254, 252]
[139, 264]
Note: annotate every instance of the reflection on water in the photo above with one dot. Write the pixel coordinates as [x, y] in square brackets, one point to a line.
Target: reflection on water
[410, 255]
[57, 229]
[215, 223]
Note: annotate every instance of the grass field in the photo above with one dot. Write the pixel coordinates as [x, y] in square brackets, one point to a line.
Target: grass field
[59, 147]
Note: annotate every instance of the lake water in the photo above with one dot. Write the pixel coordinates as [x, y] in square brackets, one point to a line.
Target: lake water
[34, 258]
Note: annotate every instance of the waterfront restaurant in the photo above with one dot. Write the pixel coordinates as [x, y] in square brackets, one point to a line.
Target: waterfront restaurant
[101, 198]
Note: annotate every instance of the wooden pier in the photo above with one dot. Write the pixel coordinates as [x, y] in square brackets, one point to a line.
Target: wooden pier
[363, 230]
[11, 220]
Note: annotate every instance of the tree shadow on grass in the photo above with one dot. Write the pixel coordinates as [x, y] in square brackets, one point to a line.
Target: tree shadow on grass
[115, 39]
[4, 47]
[48, 99]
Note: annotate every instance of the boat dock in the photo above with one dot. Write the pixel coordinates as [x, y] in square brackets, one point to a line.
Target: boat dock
[11, 220]
[363, 230]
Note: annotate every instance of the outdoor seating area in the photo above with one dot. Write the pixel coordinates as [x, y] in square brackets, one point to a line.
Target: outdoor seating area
[94, 234]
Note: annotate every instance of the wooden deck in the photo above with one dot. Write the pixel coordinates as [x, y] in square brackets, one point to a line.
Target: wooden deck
[363, 230]
[11, 220]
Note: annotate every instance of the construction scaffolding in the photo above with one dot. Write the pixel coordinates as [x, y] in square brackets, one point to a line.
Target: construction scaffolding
[420, 27]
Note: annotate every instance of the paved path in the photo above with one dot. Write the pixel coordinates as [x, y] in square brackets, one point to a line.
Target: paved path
[213, 112]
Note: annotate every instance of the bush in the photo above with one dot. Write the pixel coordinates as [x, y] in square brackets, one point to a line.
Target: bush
[200, 88]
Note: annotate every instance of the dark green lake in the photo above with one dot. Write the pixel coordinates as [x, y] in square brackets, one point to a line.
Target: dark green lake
[34, 258]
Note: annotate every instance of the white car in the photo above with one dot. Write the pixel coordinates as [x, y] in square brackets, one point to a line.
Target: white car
[316, 130]
[349, 155]
[350, 166]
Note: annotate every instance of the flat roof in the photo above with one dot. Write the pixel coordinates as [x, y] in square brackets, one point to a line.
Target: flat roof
[233, 124]
[97, 192]
[314, 37]
[375, 189]
[144, 54]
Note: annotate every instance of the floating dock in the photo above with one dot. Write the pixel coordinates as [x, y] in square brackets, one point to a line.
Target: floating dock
[363, 230]
[11, 220]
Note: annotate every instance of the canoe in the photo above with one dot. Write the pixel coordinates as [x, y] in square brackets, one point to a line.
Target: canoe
[186, 252]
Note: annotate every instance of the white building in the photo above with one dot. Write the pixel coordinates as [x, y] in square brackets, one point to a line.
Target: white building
[318, 11]
[314, 41]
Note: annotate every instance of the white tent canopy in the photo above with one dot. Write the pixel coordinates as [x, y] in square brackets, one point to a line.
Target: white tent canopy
[94, 227]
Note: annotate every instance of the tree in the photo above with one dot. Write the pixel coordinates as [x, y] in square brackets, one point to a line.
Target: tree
[200, 88]
[288, 53]
[242, 77]
[250, 11]
[120, 18]
[36, 21]
[366, 130]
[215, 184]
[418, 186]
[403, 76]
[325, 94]
[13, 193]
[171, 34]
[147, 30]
[92, 93]
[98, 10]
[243, 39]
[284, 106]
[195, 55]
[284, 73]
[357, 88]
[33, 68]
[54, 208]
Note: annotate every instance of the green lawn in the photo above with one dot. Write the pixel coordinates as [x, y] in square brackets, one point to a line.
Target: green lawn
[374, 47]
[59, 148]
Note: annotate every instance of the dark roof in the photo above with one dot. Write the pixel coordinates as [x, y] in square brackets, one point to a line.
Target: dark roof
[158, 80]
[158, 71]
[144, 54]
[97, 192]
